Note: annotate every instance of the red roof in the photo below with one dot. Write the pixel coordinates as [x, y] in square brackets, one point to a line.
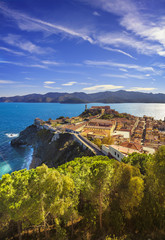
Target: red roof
[132, 145]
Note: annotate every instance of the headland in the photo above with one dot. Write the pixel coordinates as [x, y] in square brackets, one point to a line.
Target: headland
[99, 130]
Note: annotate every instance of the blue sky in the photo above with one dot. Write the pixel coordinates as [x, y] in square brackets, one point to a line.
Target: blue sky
[81, 45]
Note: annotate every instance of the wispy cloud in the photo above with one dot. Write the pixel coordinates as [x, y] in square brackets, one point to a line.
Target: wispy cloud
[148, 30]
[6, 82]
[24, 64]
[49, 82]
[139, 89]
[50, 87]
[159, 65]
[126, 76]
[126, 40]
[28, 23]
[123, 69]
[96, 14]
[17, 41]
[102, 88]
[48, 62]
[68, 84]
[28, 78]
[12, 51]
[113, 75]
[36, 66]
[118, 65]
[114, 49]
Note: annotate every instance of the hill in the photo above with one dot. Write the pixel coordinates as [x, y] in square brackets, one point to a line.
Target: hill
[80, 97]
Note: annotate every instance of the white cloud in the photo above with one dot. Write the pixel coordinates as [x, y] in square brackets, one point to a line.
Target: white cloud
[96, 14]
[123, 70]
[11, 51]
[33, 24]
[160, 65]
[85, 83]
[150, 29]
[28, 78]
[49, 82]
[113, 75]
[23, 64]
[68, 84]
[126, 75]
[137, 76]
[47, 86]
[102, 88]
[118, 65]
[140, 89]
[114, 49]
[126, 40]
[140, 31]
[17, 41]
[47, 62]
[35, 66]
[144, 26]
[6, 82]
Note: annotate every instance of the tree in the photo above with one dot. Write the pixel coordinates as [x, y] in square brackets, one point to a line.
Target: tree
[138, 160]
[98, 142]
[155, 186]
[156, 174]
[51, 193]
[92, 177]
[127, 191]
[98, 187]
[14, 196]
[107, 140]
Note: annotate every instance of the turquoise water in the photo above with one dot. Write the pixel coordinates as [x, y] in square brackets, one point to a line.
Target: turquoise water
[14, 117]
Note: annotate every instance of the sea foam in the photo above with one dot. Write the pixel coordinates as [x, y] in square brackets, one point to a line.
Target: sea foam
[12, 135]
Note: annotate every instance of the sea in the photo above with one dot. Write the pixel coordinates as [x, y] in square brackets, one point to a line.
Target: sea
[15, 117]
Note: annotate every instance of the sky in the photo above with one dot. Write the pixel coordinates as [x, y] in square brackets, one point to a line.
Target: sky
[81, 46]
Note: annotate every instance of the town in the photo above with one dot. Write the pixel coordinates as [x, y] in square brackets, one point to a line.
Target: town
[109, 132]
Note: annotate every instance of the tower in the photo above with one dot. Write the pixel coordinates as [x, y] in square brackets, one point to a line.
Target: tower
[85, 106]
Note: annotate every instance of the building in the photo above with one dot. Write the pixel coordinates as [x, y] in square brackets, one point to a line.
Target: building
[99, 128]
[95, 131]
[117, 152]
[104, 109]
[126, 134]
[132, 145]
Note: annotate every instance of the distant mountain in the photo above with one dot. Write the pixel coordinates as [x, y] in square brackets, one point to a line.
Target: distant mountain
[80, 97]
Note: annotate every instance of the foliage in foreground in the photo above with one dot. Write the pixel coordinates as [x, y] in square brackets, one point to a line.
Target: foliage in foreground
[88, 198]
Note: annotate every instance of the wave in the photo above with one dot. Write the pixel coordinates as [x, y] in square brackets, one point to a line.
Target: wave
[28, 159]
[12, 135]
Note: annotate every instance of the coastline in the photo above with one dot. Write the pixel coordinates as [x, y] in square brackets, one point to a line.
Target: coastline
[26, 113]
[29, 159]
[35, 161]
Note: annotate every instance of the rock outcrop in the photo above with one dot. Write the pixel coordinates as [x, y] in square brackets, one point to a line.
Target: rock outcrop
[48, 149]
[26, 137]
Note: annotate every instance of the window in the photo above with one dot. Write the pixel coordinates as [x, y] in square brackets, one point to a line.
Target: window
[115, 153]
[118, 155]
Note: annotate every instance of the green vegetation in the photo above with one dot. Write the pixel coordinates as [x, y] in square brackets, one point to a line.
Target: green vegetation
[88, 198]
[115, 115]
[138, 160]
[61, 117]
[88, 113]
[105, 140]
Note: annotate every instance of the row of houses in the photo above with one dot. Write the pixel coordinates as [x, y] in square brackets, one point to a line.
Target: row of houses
[129, 134]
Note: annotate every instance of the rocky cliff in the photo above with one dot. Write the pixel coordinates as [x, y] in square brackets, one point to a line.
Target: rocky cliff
[47, 150]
